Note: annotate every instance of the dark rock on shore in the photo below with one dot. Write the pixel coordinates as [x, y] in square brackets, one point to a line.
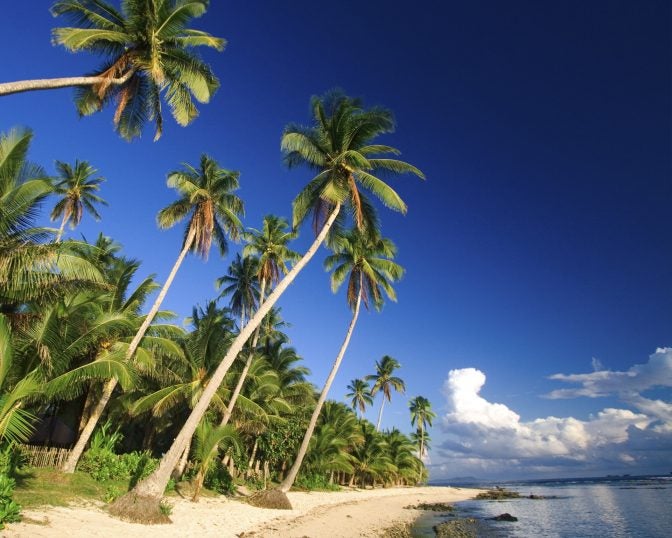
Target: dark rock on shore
[431, 507]
[497, 494]
[504, 517]
[458, 528]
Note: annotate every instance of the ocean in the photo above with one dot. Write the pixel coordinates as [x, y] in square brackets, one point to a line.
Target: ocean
[623, 506]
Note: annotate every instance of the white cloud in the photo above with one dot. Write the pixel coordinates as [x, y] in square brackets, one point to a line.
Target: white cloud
[657, 372]
[483, 437]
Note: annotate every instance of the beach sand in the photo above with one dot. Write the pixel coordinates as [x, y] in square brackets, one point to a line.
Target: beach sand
[316, 514]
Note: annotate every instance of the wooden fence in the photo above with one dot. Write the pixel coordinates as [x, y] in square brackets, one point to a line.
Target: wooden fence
[44, 456]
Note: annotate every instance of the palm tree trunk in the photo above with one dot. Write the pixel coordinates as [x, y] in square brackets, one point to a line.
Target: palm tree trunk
[288, 482]
[154, 485]
[76, 452]
[250, 463]
[60, 230]
[182, 464]
[7, 88]
[239, 386]
[380, 414]
[162, 295]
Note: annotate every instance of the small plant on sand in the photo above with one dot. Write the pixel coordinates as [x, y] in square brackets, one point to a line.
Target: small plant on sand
[9, 510]
[165, 508]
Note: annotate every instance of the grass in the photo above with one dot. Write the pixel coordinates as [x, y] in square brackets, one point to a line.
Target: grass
[50, 487]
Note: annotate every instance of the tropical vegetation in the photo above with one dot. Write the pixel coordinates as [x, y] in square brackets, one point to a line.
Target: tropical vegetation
[143, 400]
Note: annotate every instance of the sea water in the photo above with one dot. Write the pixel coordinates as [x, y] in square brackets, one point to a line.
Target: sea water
[627, 507]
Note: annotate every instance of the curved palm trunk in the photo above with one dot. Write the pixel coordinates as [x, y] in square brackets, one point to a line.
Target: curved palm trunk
[77, 451]
[154, 485]
[7, 88]
[162, 295]
[380, 414]
[241, 380]
[288, 482]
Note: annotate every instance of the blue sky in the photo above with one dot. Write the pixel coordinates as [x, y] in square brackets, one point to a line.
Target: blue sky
[539, 241]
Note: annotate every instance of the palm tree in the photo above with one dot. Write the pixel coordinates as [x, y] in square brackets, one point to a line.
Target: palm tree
[76, 187]
[384, 381]
[422, 415]
[208, 440]
[30, 269]
[339, 146]
[147, 52]
[364, 260]
[270, 245]
[16, 424]
[241, 284]
[213, 211]
[113, 364]
[360, 394]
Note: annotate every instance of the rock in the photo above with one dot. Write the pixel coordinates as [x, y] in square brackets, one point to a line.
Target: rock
[504, 517]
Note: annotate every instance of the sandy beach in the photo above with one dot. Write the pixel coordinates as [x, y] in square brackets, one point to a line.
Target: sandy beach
[315, 515]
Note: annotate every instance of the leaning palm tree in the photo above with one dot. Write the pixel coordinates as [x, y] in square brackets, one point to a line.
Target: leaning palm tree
[206, 199]
[366, 263]
[384, 381]
[147, 52]
[76, 188]
[360, 395]
[339, 146]
[422, 415]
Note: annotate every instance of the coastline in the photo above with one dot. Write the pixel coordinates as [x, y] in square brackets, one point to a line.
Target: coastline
[343, 514]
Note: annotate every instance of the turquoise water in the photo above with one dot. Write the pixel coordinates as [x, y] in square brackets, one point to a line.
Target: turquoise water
[587, 508]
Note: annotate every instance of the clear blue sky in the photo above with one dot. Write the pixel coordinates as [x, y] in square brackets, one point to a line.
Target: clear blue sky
[540, 241]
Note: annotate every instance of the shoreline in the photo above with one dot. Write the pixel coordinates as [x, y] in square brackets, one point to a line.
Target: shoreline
[343, 514]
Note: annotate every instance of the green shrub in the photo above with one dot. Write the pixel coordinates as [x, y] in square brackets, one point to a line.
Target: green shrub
[9, 510]
[218, 479]
[104, 465]
[315, 481]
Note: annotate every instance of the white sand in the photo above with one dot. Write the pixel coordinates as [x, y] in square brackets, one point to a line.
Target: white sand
[315, 514]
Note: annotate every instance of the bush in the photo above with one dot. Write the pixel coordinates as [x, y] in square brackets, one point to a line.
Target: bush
[218, 479]
[9, 510]
[316, 481]
[104, 465]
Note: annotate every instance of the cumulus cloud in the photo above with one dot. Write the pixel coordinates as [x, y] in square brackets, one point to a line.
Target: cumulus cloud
[485, 436]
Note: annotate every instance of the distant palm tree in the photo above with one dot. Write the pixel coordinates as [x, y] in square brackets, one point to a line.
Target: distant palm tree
[147, 50]
[422, 415]
[76, 188]
[242, 285]
[29, 268]
[365, 261]
[339, 146]
[360, 394]
[206, 199]
[269, 249]
[384, 381]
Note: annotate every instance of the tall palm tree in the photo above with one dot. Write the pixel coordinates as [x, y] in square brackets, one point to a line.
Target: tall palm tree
[77, 188]
[339, 146]
[384, 381]
[365, 261]
[147, 52]
[422, 415]
[360, 394]
[206, 199]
